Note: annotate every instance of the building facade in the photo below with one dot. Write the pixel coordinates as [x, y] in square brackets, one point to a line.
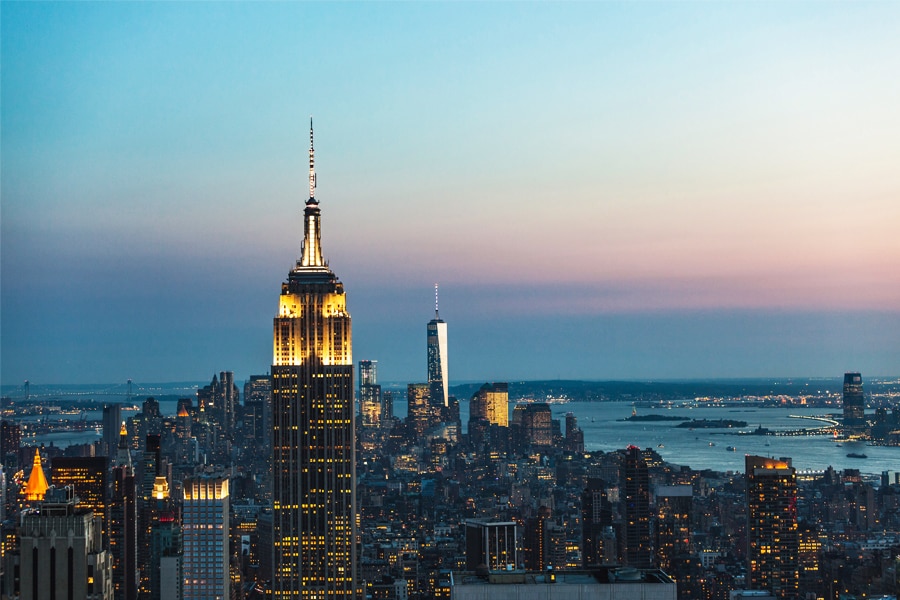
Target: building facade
[206, 529]
[854, 405]
[772, 536]
[313, 443]
[438, 373]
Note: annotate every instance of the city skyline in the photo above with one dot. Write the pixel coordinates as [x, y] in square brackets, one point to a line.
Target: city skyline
[603, 191]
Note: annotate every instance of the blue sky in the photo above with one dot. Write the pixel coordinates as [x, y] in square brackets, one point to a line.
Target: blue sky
[603, 190]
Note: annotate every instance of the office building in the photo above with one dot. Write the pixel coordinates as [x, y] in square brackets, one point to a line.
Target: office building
[112, 418]
[854, 405]
[123, 531]
[673, 529]
[636, 509]
[206, 551]
[88, 477]
[314, 482]
[369, 394]
[491, 403]
[421, 413]
[438, 378]
[596, 517]
[61, 552]
[772, 536]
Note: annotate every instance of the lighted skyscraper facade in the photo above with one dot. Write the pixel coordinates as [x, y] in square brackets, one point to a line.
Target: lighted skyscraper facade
[854, 404]
[772, 537]
[438, 378]
[206, 553]
[313, 447]
[491, 402]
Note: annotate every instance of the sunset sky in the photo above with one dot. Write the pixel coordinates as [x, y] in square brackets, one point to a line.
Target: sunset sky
[603, 190]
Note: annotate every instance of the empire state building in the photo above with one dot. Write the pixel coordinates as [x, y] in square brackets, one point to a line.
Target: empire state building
[313, 456]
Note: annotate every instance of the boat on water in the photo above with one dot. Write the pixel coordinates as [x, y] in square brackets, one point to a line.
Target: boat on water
[712, 443]
[731, 449]
[856, 455]
[660, 446]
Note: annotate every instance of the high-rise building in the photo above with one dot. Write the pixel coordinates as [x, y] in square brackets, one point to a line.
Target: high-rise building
[112, 418]
[87, 476]
[491, 402]
[673, 530]
[123, 527]
[772, 536]
[313, 454]
[438, 378]
[596, 516]
[206, 551]
[10, 441]
[61, 552]
[421, 415]
[854, 405]
[369, 394]
[636, 509]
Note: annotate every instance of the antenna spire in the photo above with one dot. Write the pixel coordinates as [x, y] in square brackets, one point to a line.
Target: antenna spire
[312, 163]
[436, 316]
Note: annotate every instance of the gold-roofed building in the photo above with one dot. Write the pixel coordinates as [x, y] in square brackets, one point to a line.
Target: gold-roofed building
[37, 481]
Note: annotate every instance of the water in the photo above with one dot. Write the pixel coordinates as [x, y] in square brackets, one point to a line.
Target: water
[681, 446]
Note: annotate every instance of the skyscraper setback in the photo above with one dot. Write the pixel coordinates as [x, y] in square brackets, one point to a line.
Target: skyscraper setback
[313, 455]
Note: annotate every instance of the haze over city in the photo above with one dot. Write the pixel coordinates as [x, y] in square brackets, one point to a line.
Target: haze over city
[602, 190]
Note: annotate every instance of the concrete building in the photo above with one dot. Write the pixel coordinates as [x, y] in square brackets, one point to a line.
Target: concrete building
[614, 583]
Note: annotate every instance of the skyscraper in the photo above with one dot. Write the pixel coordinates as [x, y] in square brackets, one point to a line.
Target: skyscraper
[491, 402]
[772, 537]
[596, 515]
[61, 551]
[636, 486]
[854, 405]
[87, 476]
[112, 418]
[437, 357]
[313, 454]
[369, 394]
[206, 551]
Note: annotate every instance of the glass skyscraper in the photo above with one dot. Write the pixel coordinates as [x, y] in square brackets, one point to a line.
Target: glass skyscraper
[437, 358]
[313, 454]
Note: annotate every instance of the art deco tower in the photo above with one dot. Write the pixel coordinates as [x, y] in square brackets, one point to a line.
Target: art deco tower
[437, 357]
[314, 517]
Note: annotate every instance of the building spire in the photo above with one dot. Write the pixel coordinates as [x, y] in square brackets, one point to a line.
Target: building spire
[436, 315]
[312, 163]
[312, 234]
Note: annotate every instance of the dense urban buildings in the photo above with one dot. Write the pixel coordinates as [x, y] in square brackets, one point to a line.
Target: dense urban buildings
[313, 454]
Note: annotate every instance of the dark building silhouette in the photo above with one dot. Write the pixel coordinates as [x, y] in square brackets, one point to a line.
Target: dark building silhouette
[596, 517]
[854, 405]
[313, 442]
[370, 408]
[673, 524]
[112, 421]
[635, 492]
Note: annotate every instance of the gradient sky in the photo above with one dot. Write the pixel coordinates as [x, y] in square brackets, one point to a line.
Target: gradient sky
[603, 190]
